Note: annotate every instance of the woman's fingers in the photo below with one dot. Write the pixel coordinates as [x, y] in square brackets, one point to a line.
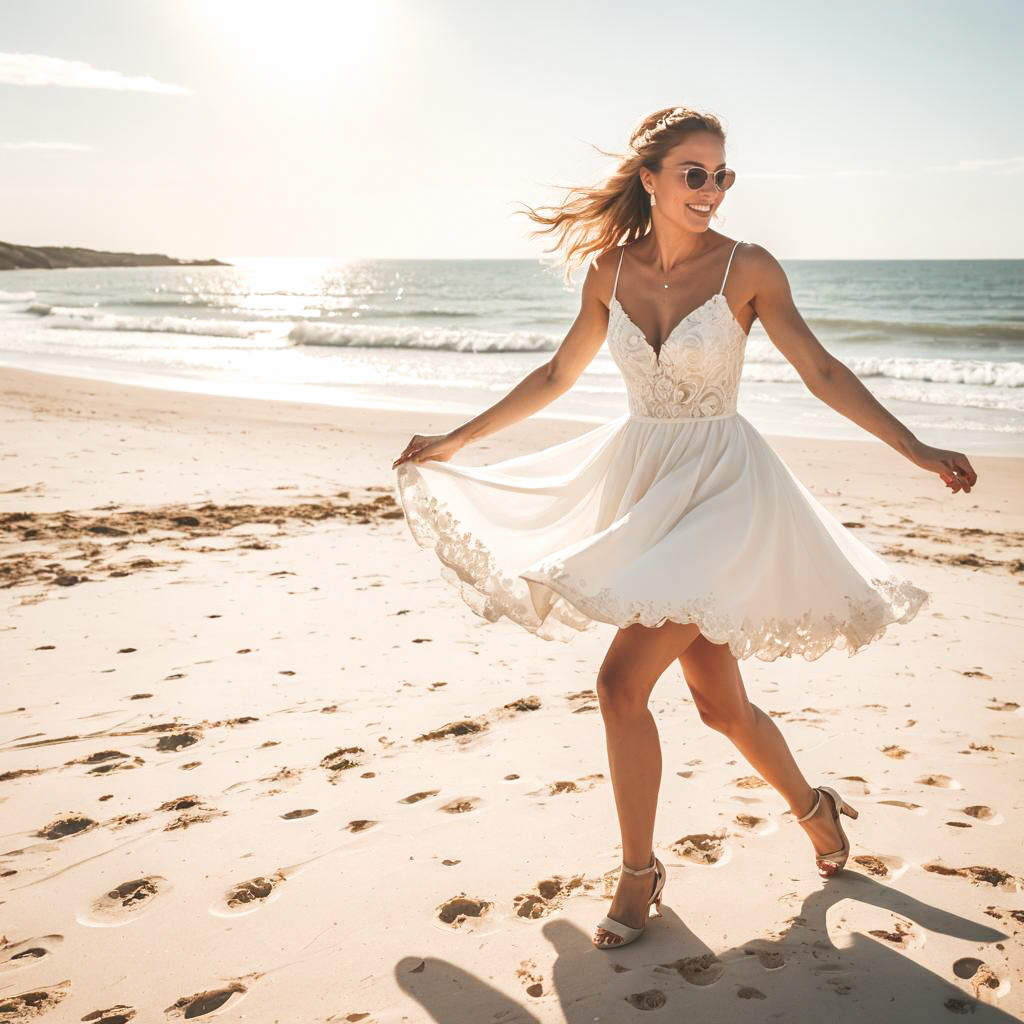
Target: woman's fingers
[966, 469]
[956, 471]
[962, 471]
[960, 475]
[408, 452]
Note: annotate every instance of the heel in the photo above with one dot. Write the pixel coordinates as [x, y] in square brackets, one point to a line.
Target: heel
[659, 887]
[829, 864]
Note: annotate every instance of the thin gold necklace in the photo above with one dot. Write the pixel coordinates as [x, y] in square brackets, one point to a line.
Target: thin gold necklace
[665, 282]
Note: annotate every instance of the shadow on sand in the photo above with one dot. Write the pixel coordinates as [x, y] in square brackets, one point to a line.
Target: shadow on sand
[800, 976]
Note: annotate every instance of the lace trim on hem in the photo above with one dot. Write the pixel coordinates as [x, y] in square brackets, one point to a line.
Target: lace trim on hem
[470, 567]
[811, 635]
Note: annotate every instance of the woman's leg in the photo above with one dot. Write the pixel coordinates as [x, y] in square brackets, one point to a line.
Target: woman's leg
[635, 661]
[713, 676]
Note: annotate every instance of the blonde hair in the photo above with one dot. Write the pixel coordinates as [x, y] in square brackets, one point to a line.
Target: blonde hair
[593, 219]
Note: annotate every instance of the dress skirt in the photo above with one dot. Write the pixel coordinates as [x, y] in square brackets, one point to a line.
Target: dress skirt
[650, 520]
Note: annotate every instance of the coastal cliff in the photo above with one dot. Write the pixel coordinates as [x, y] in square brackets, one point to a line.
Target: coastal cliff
[53, 257]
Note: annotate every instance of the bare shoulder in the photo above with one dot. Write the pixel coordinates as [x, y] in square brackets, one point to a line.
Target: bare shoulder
[758, 266]
[601, 273]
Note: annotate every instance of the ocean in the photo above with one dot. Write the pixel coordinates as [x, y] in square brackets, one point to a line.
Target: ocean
[940, 343]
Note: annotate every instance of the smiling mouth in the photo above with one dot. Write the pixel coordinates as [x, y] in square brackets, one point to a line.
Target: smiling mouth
[702, 210]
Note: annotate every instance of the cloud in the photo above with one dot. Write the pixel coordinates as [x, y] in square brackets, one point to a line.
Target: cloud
[1002, 165]
[43, 145]
[38, 69]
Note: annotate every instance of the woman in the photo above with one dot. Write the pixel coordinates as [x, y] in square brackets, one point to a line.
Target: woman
[676, 522]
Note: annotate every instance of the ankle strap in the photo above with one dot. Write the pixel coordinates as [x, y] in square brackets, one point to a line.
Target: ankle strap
[814, 807]
[641, 871]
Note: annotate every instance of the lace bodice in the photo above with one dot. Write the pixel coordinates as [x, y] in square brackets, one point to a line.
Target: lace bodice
[697, 371]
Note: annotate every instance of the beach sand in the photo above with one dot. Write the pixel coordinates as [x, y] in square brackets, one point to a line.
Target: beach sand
[261, 762]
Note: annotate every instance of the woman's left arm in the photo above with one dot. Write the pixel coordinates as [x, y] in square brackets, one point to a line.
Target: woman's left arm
[834, 382]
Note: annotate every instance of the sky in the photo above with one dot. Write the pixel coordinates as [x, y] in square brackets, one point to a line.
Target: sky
[416, 128]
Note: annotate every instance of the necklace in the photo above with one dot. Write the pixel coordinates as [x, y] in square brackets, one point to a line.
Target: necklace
[690, 260]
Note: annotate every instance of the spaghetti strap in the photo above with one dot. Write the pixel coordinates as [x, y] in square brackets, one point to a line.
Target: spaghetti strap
[727, 266]
[615, 285]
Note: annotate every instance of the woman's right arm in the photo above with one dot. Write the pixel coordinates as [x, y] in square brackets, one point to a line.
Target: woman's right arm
[540, 387]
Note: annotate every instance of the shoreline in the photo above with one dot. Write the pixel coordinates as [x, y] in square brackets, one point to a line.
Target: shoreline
[23, 377]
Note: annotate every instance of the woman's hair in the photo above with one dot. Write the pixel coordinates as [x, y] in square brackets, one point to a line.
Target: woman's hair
[594, 218]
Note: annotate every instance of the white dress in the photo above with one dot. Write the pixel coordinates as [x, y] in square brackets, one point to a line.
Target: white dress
[677, 510]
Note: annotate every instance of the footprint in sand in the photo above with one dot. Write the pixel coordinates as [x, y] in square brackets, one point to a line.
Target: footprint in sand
[250, 895]
[903, 934]
[701, 970]
[415, 798]
[749, 992]
[530, 703]
[360, 825]
[980, 813]
[855, 784]
[199, 813]
[302, 812]
[459, 730]
[16, 956]
[749, 782]
[461, 805]
[706, 848]
[652, 999]
[905, 805]
[580, 785]
[997, 913]
[106, 761]
[1002, 705]
[26, 1006]
[979, 874]
[461, 909]
[978, 748]
[551, 893]
[531, 978]
[69, 826]
[117, 1014]
[585, 700]
[894, 751]
[887, 867]
[942, 781]
[178, 741]
[753, 824]
[124, 903]
[985, 982]
[769, 959]
[201, 1003]
[341, 760]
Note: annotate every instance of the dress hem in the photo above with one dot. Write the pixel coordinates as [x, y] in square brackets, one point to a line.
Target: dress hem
[773, 640]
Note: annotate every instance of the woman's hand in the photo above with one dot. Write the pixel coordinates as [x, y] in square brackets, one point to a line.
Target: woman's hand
[953, 467]
[439, 447]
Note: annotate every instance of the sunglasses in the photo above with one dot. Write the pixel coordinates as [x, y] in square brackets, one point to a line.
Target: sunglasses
[695, 177]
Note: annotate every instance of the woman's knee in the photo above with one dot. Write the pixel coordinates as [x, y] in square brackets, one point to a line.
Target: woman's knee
[621, 692]
[731, 719]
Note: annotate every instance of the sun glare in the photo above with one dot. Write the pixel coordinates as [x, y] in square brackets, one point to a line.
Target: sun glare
[317, 40]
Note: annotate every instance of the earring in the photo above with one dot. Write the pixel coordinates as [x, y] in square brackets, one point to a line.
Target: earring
[654, 200]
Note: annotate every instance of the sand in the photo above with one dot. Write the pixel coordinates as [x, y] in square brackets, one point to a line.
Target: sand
[259, 761]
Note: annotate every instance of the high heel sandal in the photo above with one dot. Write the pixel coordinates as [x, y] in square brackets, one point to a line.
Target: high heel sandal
[830, 864]
[623, 931]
